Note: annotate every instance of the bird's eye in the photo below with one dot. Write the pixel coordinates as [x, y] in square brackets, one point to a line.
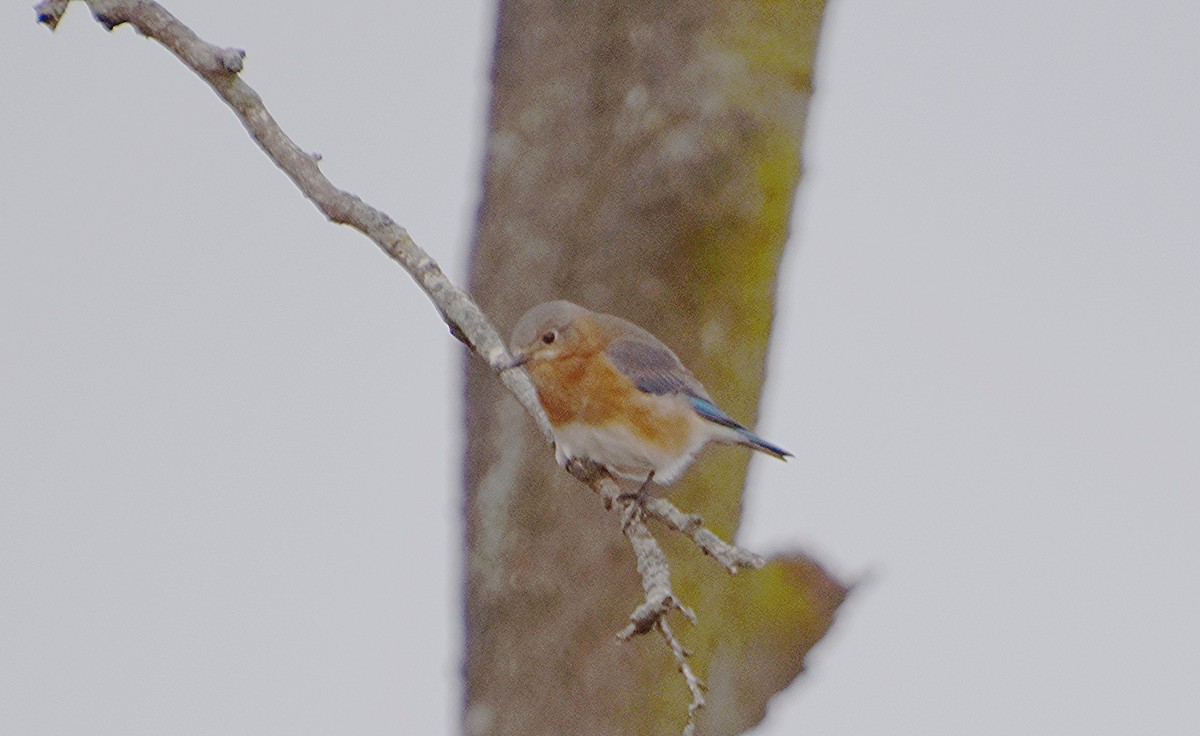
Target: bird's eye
[549, 337]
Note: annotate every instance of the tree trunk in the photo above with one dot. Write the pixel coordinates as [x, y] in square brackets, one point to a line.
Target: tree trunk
[642, 160]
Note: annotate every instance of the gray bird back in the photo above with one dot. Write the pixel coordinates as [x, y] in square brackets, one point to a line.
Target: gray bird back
[647, 362]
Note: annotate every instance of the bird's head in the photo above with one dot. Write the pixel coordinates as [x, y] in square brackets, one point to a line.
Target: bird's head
[546, 332]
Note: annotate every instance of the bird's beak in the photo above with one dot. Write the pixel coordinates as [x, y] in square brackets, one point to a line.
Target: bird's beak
[518, 360]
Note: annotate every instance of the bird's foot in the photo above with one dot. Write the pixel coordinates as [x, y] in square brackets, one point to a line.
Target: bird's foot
[641, 494]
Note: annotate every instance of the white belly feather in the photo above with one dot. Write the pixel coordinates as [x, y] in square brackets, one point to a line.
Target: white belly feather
[625, 454]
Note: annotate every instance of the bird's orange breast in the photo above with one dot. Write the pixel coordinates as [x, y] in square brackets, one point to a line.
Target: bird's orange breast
[586, 387]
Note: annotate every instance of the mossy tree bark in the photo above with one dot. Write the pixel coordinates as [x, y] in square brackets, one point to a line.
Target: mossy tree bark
[642, 160]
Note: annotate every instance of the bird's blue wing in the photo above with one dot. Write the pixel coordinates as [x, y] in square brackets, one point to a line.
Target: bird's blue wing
[652, 367]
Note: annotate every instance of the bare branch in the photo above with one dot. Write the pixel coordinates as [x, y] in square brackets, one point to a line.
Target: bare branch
[729, 556]
[656, 574]
[219, 67]
[695, 686]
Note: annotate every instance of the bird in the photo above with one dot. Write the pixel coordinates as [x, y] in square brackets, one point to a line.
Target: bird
[618, 397]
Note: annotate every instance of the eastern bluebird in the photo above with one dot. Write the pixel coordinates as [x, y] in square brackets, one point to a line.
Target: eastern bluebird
[617, 396]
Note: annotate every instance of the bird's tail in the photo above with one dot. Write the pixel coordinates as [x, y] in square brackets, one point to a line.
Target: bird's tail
[710, 411]
[758, 443]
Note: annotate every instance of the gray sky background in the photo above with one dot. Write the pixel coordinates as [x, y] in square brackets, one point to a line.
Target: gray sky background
[229, 432]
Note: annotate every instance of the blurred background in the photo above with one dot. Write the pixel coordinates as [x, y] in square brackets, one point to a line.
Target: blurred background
[229, 432]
